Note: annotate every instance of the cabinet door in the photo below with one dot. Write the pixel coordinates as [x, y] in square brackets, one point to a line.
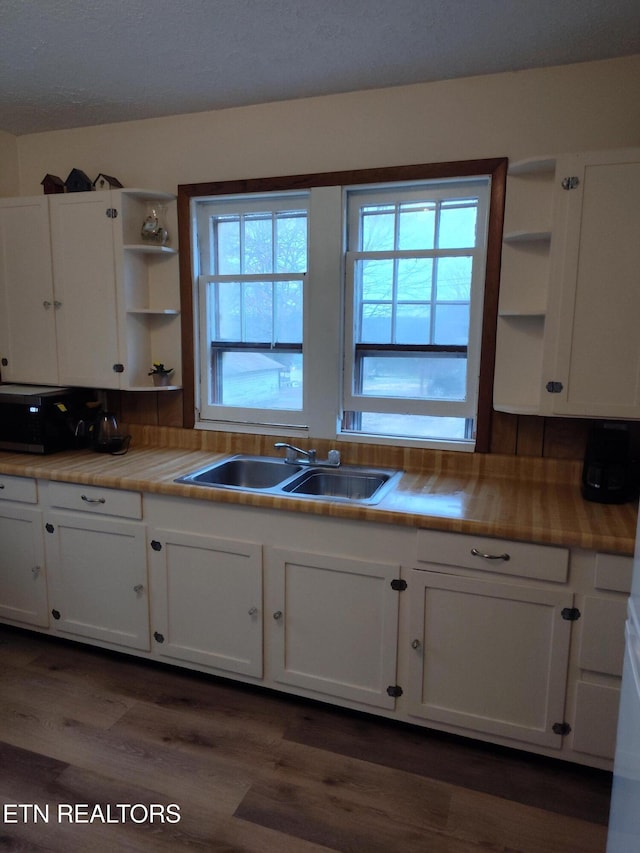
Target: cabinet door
[592, 325]
[335, 626]
[27, 307]
[488, 656]
[23, 586]
[98, 578]
[207, 606]
[84, 269]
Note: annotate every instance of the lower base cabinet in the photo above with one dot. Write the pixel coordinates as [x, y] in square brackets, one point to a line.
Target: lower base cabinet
[335, 626]
[508, 642]
[97, 572]
[23, 584]
[207, 601]
[489, 656]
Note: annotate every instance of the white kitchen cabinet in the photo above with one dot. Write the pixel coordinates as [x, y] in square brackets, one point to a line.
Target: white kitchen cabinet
[567, 341]
[592, 352]
[207, 601]
[23, 585]
[524, 285]
[97, 568]
[86, 301]
[489, 656]
[149, 295]
[28, 350]
[84, 272]
[599, 643]
[335, 626]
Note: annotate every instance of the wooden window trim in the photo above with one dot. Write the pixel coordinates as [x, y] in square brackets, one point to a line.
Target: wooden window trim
[495, 167]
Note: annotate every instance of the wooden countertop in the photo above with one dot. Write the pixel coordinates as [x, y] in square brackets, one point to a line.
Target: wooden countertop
[482, 499]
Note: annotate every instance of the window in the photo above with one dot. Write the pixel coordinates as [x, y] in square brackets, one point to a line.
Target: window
[357, 304]
[253, 260]
[414, 293]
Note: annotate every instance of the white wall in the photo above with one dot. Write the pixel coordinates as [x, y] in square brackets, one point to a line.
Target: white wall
[549, 111]
[9, 178]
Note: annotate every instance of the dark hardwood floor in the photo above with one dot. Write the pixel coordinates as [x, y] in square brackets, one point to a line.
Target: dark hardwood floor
[111, 749]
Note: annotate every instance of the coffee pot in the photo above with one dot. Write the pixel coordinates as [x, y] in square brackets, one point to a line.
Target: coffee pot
[108, 438]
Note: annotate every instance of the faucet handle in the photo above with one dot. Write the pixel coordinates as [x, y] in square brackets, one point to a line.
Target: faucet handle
[333, 457]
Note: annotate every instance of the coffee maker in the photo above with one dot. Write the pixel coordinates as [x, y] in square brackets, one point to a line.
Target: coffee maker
[608, 474]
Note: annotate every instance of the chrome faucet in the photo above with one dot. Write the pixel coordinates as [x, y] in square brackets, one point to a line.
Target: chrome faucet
[293, 455]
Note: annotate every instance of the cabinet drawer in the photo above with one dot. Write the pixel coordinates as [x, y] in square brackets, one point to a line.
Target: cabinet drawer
[21, 489]
[502, 556]
[95, 499]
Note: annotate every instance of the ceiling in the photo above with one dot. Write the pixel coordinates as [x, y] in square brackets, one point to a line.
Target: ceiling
[71, 63]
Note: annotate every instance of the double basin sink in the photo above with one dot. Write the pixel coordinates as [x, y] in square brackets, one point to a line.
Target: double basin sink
[267, 475]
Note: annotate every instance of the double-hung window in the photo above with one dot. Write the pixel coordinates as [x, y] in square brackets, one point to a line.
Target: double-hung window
[415, 270]
[347, 305]
[252, 259]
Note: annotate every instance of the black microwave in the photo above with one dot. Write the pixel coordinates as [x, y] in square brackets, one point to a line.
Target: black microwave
[37, 418]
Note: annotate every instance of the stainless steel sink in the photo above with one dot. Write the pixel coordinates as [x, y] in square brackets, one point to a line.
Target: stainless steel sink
[275, 476]
[243, 472]
[343, 484]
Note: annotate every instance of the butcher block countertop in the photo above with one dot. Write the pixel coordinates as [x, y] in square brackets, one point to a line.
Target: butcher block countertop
[527, 499]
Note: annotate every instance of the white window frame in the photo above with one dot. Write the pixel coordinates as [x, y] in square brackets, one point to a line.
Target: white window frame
[218, 415]
[436, 191]
[324, 302]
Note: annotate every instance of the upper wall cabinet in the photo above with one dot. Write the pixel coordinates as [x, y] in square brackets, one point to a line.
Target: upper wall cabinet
[86, 301]
[28, 350]
[567, 327]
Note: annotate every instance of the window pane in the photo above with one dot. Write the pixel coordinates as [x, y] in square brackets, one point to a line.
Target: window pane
[434, 377]
[226, 315]
[417, 226]
[452, 324]
[291, 242]
[378, 228]
[413, 324]
[257, 253]
[376, 323]
[415, 277]
[411, 426]
[454, 279]
[288, 312]
[376, 279]
[227, 242]
[258, 311]
[259, 381]
[457, 224]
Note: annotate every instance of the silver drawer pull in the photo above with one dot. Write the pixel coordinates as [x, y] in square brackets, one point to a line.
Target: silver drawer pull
[477, 553]
[1, 485]
[93, 500]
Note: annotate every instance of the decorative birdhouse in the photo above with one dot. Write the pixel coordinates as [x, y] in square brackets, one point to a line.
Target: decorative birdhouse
[78, 182]
[106, 182]
[52, 184]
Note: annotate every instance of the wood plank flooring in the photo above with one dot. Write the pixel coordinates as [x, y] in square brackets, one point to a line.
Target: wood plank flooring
[107, 746]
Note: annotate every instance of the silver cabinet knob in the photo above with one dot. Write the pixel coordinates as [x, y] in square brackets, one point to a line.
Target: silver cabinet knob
[138, 588]
[416, 644]
[35, 571]
[253, 611]
[277, 615]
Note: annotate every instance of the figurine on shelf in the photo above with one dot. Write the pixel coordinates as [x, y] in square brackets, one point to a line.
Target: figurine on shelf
[152, 230]
[160, 374]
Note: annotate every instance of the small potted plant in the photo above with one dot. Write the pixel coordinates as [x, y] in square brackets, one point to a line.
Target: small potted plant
[160, 373]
